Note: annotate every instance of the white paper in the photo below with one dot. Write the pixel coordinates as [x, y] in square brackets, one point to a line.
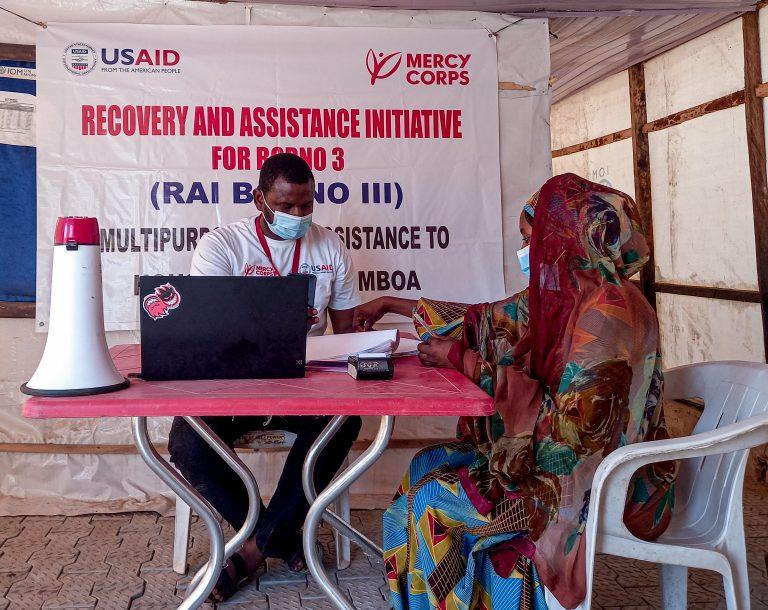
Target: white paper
[407, 347]
[339, 347]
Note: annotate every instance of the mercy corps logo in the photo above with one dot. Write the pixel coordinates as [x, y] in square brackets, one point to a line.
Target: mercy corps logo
[304, 268]
[81, 58]
[420, 68]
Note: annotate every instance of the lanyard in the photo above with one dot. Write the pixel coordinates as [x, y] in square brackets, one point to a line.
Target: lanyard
[265, 247]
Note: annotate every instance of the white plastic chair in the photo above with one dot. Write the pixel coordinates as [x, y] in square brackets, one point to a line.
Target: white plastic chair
[707, 527]
[255, 440]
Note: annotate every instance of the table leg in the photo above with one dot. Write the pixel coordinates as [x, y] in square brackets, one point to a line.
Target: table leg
[317, 509]
[307, 479]
[251, 487]
[200, 505]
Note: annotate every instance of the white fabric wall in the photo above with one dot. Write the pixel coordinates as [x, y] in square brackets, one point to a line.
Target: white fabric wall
[702, 202]
[597, 111]
[50, 484]
[699, 71]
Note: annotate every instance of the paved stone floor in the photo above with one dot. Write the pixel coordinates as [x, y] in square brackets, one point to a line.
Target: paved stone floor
[123, 561]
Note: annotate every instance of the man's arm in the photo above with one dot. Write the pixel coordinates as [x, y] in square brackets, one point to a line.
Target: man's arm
[342, 320]
[344, 294]
[369, 313]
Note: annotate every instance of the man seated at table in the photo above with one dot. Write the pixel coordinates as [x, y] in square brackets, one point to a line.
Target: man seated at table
[280, 240]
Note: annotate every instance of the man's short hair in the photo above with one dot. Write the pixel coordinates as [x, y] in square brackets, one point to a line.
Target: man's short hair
[291, 168]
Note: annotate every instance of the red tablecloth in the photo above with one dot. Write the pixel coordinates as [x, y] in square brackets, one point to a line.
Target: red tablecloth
[415, 390]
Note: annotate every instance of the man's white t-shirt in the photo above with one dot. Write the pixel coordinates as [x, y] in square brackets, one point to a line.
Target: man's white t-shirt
[234, 249]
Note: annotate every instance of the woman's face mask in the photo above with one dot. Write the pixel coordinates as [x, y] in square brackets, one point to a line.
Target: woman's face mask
[288, 226]
[522, 258]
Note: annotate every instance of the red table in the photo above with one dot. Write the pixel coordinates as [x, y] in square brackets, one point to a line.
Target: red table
[415, 391]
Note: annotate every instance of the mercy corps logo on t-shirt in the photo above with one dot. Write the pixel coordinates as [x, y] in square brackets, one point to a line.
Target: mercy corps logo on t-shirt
[268, 271]
[260, 270]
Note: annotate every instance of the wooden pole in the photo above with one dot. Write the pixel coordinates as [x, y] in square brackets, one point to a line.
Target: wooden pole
[610, 138]
[18, 52]
[13, 309]
[642, 165]
[753, 109]
[722, 103]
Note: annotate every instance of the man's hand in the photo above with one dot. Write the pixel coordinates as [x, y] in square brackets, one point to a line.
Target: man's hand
[367, 314]
[434, 351]
[312, 318]
[341, 320]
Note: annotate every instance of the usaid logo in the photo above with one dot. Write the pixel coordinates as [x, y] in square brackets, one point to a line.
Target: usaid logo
[79, 58]
[420, 68]
[140, 57]
[306, 268]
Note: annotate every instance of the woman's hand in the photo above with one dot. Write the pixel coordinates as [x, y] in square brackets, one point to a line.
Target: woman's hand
[312, 318]
[434, 351]
[367, 314]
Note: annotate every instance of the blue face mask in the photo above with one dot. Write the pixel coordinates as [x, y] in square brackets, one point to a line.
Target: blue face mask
[288, 226]
[522, 258]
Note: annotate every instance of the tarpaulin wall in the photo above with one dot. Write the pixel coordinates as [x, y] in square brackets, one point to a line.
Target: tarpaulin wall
[706, 260]
[702, 203]
[71, 482]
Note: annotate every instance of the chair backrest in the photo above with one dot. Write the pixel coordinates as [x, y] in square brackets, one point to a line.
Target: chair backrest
[732, 392]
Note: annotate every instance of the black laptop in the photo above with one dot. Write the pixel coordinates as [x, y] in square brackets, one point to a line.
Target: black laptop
[223, 327]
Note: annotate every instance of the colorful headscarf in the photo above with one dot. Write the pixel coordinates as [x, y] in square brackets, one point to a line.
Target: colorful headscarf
[586, 236]
[529, 207]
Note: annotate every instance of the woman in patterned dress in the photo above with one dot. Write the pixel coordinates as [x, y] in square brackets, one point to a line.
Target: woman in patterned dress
[497, 518]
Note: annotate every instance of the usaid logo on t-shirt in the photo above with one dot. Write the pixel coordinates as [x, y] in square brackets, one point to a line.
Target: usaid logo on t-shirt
[315, 269]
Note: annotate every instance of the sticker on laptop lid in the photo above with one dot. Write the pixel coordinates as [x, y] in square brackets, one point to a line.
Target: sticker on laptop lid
[160, 303]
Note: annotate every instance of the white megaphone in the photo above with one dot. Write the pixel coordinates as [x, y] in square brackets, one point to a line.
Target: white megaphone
[76, 359]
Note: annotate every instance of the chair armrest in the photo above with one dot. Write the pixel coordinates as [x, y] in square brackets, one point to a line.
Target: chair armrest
[612, 477]
[734, 437]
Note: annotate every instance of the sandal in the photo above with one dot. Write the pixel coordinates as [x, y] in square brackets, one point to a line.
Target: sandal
[237, 572]
[232, 576]
[296, 562]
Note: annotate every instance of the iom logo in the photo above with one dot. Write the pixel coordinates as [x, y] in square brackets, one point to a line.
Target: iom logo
[79, 58]
[382, 66]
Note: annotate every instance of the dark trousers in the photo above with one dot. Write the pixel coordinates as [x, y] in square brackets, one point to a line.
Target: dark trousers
[278, 532]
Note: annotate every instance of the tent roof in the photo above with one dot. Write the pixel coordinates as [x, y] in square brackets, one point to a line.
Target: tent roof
[551, 8]
[592, 39]
[587, 49]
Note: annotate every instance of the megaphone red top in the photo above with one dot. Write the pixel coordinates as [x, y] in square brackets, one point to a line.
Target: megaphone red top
[80, 230]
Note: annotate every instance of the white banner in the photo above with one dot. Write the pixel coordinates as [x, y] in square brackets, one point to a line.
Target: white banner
[160, 131]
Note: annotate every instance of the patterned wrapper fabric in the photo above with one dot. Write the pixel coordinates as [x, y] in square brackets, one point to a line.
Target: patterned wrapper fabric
[573, 366]
[439, 318]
